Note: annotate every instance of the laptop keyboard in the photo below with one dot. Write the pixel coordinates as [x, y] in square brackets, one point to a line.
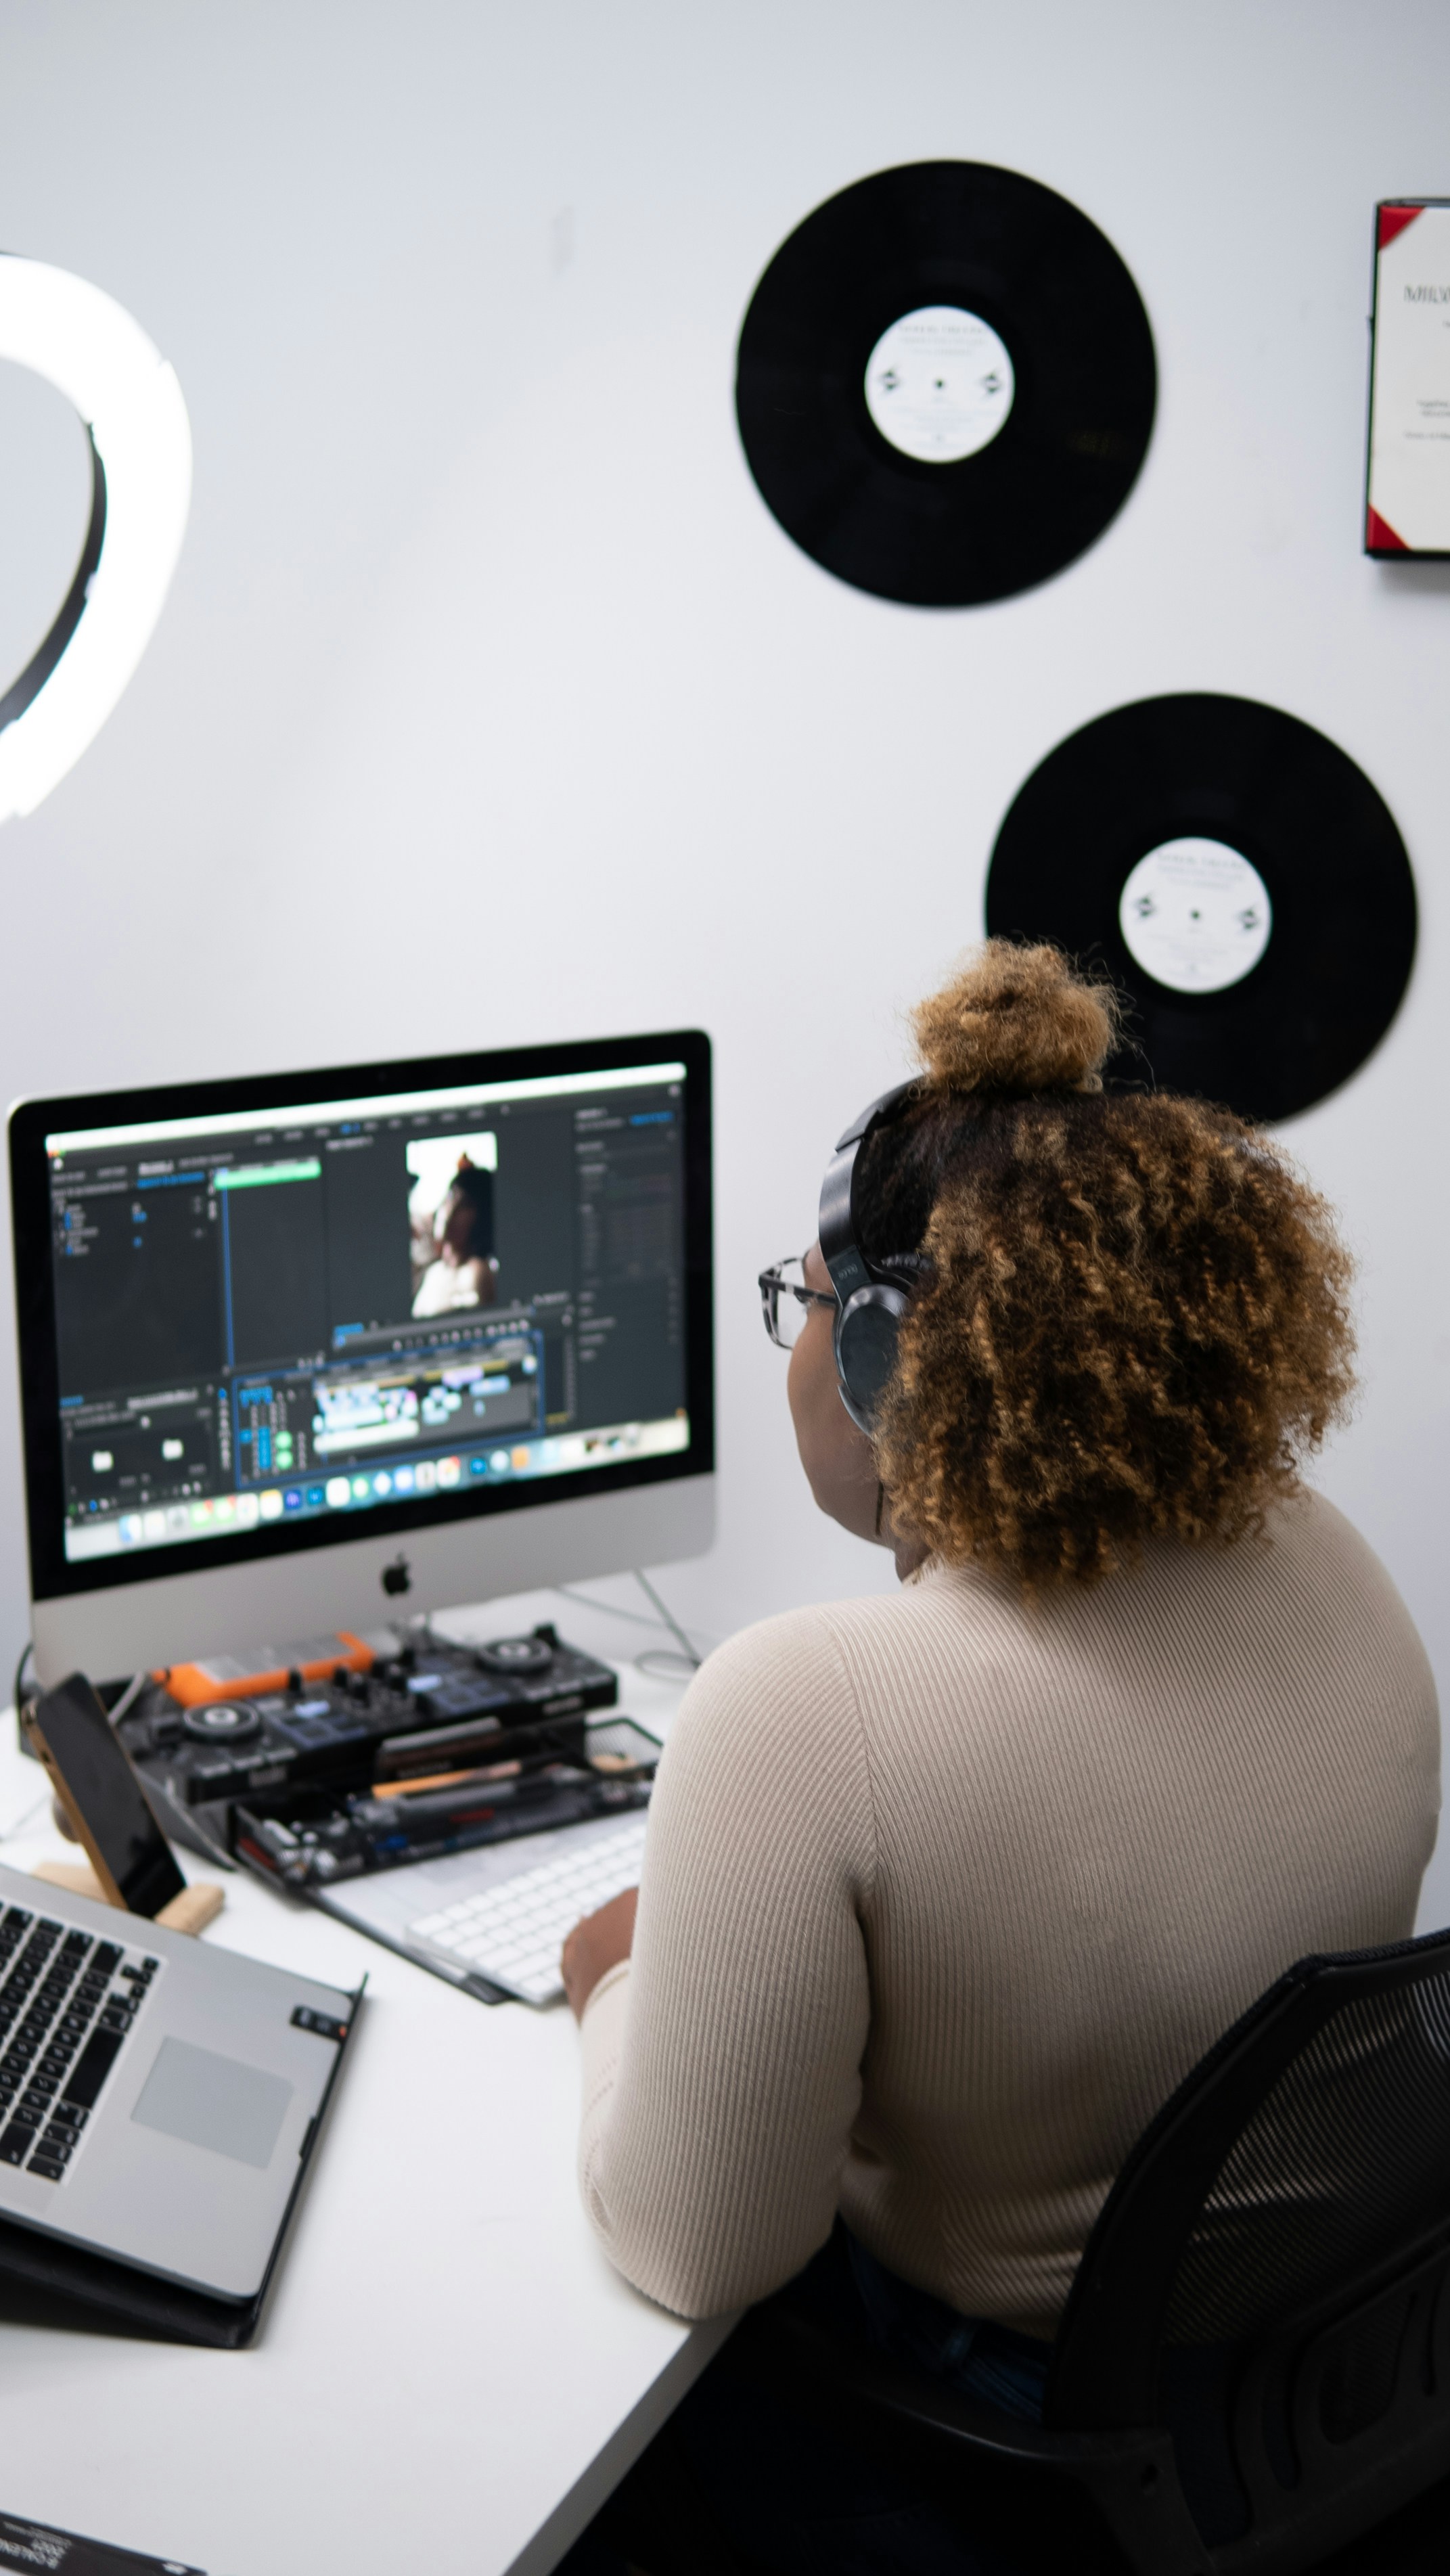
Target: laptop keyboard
[512, 1934]
[68, 2004]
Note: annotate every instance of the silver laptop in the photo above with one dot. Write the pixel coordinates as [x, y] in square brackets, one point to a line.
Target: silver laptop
[158, 2100]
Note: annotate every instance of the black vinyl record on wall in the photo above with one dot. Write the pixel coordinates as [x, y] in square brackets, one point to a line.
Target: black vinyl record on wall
[946, 383]
[1241, 880]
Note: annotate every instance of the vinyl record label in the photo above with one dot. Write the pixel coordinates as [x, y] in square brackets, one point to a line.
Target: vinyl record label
[1195, 915]
[1241, 881]
[939, 384]
[946, 384]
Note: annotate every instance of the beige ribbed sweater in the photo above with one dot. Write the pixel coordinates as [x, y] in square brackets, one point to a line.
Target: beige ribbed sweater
[943, 1894]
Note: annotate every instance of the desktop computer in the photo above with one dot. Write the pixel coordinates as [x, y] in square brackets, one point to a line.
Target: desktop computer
[304, 1357]
[300, 1353]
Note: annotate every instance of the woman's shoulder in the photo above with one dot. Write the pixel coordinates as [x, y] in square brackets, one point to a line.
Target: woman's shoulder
[778, 1653]
[817, 1630]
[832, 1656]
[779, 1701]
[1319, 1556]
[1309, 1581]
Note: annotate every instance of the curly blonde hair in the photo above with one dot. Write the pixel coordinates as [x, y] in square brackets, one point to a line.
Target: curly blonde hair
[1133, 1319]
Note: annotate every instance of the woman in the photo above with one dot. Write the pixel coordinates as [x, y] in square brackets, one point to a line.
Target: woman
[465, 1272]
[945, 1892]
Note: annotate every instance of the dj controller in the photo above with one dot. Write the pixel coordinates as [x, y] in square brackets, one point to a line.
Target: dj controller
[402, 1748]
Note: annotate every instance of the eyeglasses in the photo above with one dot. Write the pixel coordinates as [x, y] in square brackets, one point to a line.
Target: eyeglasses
[787, 1300]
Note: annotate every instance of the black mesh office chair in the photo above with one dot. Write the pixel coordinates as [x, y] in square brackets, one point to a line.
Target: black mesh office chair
[1254, 2363]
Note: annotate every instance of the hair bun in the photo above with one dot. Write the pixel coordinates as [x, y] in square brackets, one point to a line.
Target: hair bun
[1017, 1019]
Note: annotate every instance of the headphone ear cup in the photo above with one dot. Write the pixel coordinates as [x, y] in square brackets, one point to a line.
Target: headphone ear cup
[867, 1330]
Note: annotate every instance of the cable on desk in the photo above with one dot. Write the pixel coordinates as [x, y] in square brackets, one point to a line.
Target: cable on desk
[687, 1661]
[27, 1653]
[662, 1655]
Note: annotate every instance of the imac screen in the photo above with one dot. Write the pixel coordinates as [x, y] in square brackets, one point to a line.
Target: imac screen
[410, 1297]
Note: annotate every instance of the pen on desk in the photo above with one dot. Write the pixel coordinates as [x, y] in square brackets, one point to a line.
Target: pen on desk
[607, 1765]
[446, 1780]
[472, 1800]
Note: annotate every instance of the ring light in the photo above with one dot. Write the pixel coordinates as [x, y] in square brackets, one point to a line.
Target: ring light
[130, 403]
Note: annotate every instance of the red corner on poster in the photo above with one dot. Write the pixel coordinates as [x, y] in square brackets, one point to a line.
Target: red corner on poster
[1392, 220]
[1380, 538]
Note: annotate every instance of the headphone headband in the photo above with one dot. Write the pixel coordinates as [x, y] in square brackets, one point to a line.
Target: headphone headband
[846, 1263]
[870, 1302]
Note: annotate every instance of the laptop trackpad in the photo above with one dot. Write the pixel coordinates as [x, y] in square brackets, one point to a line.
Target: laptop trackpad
[213, 2102]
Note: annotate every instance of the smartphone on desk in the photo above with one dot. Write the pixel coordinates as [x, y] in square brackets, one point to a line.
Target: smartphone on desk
[91, 1774]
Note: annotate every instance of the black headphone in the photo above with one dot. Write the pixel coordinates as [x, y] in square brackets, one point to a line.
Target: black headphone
[870, 1295]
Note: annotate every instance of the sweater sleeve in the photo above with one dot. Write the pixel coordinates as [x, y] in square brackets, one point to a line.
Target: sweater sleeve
[722, 2065]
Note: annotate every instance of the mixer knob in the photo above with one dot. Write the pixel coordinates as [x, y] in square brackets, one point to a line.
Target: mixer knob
[225, 1721]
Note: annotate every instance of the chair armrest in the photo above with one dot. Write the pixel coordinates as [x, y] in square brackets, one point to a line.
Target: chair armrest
[1131, 2472]
[789, 2352]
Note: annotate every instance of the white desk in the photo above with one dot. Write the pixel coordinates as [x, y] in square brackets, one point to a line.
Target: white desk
[449, 2376]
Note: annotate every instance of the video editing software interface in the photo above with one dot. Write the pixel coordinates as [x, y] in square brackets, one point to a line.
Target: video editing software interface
[318, 1310]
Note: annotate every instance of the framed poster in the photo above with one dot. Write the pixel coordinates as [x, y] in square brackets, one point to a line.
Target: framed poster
[1407, 499]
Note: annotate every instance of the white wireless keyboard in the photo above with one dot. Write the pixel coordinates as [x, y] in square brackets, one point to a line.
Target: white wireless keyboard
[513, 1934]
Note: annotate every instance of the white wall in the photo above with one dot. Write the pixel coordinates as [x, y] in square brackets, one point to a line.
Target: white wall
[490, 704]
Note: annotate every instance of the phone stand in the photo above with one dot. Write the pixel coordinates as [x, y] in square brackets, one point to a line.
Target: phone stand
[191, 1911]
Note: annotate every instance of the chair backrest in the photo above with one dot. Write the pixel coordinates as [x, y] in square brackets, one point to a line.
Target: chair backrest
[1268, 2275]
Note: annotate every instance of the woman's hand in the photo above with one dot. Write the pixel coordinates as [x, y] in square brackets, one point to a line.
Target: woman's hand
[596, 1945]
